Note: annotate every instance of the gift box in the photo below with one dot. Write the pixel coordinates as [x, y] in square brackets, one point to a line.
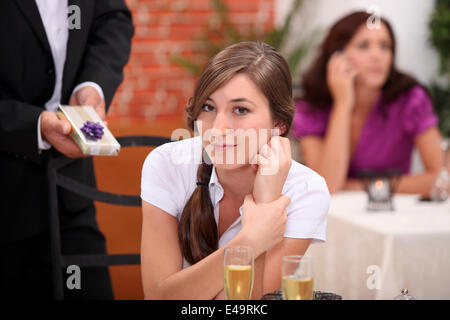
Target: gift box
[89, 131]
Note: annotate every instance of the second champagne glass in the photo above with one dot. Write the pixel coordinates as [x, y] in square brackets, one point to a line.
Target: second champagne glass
[440, 188]
[297, 279]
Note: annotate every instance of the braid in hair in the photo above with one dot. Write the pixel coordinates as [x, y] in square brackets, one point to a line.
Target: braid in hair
[197, 232]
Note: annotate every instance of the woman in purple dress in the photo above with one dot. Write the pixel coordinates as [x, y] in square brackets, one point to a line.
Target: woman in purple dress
[359, 112]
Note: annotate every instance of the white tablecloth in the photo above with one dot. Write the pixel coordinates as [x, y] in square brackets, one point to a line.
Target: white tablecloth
[374, 255]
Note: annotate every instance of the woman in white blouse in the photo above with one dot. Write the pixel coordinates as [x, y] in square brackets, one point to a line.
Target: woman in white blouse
[234, 184]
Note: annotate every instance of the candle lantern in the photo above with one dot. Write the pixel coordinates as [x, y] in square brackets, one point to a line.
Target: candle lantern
[380, 187]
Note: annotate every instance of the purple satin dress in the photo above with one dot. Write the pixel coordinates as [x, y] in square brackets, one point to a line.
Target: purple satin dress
[386, 141]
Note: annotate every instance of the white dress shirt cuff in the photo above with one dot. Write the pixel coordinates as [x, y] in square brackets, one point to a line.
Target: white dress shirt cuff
[42, 144]
[92, 84]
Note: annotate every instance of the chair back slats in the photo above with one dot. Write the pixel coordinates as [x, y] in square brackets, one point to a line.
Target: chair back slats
[101, 260]
[93, 194]
[59, 260]
[142, 141]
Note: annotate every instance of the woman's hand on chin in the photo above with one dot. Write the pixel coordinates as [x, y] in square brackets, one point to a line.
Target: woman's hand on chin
[273, 162]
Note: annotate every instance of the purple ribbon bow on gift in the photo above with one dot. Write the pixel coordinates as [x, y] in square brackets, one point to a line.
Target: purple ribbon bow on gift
[92, 131]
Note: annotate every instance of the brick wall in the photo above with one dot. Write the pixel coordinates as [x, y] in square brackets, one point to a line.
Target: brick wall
[153, 87]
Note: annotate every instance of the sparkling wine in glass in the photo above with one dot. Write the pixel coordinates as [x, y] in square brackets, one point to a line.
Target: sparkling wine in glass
[440, 188]
[297, 281]
[238, 269]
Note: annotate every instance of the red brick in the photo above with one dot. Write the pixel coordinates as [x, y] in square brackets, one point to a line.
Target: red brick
[153, 87]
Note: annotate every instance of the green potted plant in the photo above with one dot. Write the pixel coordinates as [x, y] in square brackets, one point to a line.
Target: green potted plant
[440, 40]
[221, 33]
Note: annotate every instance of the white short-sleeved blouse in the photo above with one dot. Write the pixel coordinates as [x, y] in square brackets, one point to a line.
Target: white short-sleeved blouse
[169, 177]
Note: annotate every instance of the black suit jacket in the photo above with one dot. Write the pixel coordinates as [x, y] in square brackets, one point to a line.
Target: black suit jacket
[97, 52]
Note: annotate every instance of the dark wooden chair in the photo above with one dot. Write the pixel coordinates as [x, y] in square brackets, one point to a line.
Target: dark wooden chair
[57, 180]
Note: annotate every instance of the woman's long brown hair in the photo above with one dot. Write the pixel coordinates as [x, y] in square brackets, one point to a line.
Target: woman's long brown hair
[197, 232]
[315, 88]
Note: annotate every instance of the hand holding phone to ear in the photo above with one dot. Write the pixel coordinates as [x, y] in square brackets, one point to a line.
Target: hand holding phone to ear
[341, 75]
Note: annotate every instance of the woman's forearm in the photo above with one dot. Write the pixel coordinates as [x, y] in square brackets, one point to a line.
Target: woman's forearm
[220, 295]
[417, 183]
[335, 153]
[203, 280]
[258, 282]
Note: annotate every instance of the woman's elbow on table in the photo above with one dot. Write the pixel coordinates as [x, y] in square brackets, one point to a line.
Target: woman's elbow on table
[155, 293]
[151, 292]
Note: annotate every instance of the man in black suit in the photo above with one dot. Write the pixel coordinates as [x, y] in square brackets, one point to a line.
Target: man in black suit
[43, 63]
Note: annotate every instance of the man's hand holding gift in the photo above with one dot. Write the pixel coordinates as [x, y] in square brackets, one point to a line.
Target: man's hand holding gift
[57, 131]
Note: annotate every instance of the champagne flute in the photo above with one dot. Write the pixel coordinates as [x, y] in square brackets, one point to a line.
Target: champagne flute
[238, 270]
[297, 279]
[440, 188]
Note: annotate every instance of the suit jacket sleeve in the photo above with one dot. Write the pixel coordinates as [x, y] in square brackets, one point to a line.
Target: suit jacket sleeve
[108, 47]
[18, 129]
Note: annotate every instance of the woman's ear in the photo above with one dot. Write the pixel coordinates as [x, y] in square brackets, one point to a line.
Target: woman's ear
[281, 128]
